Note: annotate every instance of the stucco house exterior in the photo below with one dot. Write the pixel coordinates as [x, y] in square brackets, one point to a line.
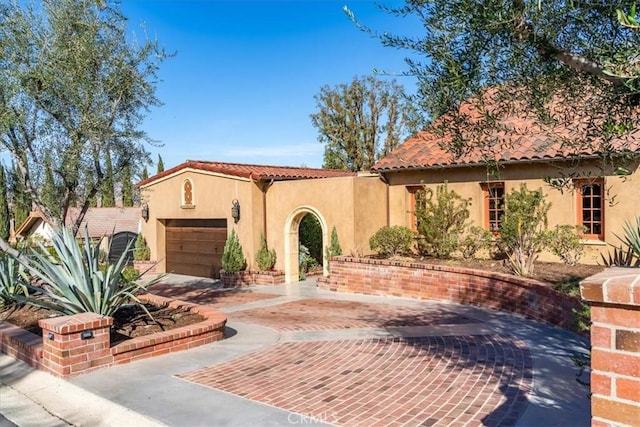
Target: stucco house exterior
[190, 212]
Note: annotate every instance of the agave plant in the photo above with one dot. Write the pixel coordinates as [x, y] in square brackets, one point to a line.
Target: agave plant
[631, 236]
[73, 281]
[12, 283]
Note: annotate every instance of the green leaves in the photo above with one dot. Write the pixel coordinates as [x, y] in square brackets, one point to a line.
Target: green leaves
[233, 259]
[72, 280]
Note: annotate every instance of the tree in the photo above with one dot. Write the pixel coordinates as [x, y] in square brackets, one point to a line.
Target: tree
[20, 199]
[74, 85]
[160, 164]
[4, 206]
[233, 259]
[51, 195]
[362, 121]
[127, 186]
[108, 190]
[570, 66]
[145, 174]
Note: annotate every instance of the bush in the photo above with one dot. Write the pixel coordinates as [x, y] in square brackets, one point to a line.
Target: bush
[141, 251]
[12, 283]
[74, 281]
[311, 235]
[392, 241]
[265, 258]
[334, 249]
[233, 259]
[441, 219]
[130, 274]
[564, 242]
[305, 262]
[475, 240]
[523, 229]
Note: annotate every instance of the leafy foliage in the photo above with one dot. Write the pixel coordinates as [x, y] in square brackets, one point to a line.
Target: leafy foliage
[334, 249]
[631, 236]
[392, 241]
[4, 206]
[73, 86]
[160, 166]
[523, 229]
[12, 283]
[310, 233]
[475, 240]
[361, 122]
[563, 64]
[441, 219]
[74, 281]
[621, 257]
[306, 262]
[141, 251]
[233, 259]
[564, 242]
[127, 186]
[265, 258]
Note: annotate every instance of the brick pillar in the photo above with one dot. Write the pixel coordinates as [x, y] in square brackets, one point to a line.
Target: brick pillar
[615, 346]
[73, 344]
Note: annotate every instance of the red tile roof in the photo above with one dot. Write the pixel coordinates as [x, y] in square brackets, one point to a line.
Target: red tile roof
[254, 172]
[516, 140]
[106, 221]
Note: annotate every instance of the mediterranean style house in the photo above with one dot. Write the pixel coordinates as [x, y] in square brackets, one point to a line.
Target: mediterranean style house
[190, 210]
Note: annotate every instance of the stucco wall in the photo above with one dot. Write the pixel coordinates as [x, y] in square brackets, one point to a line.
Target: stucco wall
[622, 199]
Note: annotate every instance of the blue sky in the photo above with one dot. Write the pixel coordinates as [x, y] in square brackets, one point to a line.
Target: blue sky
[241, 86]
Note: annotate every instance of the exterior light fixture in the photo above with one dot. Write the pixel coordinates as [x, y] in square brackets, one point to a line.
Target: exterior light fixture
[145, 213]
[85, 335]
[235, 210]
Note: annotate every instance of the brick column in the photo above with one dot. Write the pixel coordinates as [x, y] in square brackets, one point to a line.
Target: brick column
[74, 344]
[615, 346]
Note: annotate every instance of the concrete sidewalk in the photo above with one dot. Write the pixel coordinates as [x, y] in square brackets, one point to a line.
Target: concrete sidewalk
[148, 392]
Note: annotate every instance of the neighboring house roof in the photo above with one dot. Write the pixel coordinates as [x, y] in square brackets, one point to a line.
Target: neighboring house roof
[100, 221]
[106, 221]
[516, 139]
[254, 172]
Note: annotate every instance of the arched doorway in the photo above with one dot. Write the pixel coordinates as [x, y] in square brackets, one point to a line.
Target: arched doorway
[291, 241]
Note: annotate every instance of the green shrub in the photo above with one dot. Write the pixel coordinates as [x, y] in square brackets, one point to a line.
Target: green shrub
[130, 274]
[475, 240]
[73, 281]
[334, 249]
[305, 262]
[311, 235]
[265, 258]
[141, 251]
[631, 236]
[233, 259]
[12, 281]
[392, 241]
[441, 218]
[564, 242]
[523, 227]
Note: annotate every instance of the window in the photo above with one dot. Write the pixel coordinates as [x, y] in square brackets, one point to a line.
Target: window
[591, 207]
[418, 201]
[493, 193]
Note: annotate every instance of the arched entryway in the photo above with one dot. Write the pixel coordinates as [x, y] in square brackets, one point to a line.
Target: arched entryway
[291, 241]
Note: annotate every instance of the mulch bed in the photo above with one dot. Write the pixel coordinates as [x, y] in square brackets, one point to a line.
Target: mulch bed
[129, 321]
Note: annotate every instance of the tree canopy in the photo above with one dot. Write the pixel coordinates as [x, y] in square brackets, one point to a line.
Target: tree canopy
[362, 121]
[564, 63]
[75, 88]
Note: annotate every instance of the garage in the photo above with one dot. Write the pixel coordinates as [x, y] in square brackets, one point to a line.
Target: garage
[195, 246]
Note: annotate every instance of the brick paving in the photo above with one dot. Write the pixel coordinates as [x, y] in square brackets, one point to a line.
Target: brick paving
[325, 314]
[430, 381]
[213, 297]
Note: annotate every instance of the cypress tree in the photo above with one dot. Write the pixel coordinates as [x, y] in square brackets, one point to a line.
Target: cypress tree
[160, 164]
[127, 186]
[50, 192]
[108, 193]
[90, 182]
[145, 173]
[4, 206]
[21, 200]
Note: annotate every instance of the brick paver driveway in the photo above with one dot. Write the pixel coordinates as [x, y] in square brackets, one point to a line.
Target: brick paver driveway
[377, 375]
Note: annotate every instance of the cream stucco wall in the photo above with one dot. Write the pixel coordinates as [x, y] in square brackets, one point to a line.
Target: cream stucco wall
[622, 197]
[354, 205]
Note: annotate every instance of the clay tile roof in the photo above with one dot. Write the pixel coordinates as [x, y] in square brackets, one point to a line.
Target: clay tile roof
[106, 221]
[524, 141]
[254, 172]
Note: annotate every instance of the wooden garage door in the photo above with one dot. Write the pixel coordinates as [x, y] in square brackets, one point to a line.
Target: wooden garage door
[194, 247]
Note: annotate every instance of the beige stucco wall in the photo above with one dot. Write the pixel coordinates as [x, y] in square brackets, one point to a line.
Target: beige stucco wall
[622, 198]
[354, 205]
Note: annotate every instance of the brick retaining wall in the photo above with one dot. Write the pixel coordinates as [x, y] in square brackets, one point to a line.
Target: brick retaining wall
[76, 344]
[614, 295]
[249, 278]
[527, 297]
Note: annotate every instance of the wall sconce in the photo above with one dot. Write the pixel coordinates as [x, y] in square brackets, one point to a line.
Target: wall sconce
[235, 210]
[85, 335]
[145, 213]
